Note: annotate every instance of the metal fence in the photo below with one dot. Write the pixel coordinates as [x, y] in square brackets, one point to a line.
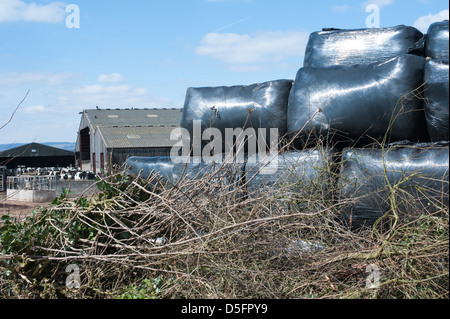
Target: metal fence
[2, 178]
[38, 183]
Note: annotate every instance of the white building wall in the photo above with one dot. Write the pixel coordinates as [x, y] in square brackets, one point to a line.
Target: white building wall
[98, 148]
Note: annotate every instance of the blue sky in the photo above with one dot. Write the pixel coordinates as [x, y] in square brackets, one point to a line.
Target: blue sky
[147, 53]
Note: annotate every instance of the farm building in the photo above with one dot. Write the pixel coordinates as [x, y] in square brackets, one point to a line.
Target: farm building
[36, 155]
[109, 136]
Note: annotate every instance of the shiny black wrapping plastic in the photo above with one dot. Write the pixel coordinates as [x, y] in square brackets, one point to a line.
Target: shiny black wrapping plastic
[304, 172]
[221, 171]
[351, 103]
[169, 171]
[147, 166]
[437, 41]
[359, 46]
[437, 100]
[414, 177]
[255, 106]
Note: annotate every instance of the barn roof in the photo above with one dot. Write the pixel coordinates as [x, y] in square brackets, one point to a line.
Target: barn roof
[132, 117]
[34, 150]
[137, 136]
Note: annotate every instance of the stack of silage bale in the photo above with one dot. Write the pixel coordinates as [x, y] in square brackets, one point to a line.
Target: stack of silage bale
[356, 87]
[258, 107]
[364, 86]
[359, 86]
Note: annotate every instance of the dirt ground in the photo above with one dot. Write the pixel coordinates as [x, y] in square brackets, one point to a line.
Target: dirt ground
[17, 209]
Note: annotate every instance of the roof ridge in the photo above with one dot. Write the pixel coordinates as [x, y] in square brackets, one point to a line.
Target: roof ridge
[136, 109]
[25, 148]
[138, 125]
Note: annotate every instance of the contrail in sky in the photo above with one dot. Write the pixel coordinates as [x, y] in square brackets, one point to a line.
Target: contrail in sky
[232, 24]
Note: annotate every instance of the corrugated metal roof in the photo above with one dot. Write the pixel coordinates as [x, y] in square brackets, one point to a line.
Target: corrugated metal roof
[133, 117]
[137, 136]
[35, 150]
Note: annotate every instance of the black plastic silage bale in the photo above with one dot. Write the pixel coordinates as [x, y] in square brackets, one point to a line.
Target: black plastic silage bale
[412, 179]
[170, 170]
[219, 171]
[365, 101]
[436, 93]
[437, 42]
[359, 46]
[186, 168]
[293, 174]
[162, 167]
[257, 106]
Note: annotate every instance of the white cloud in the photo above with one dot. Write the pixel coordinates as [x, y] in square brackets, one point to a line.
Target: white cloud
[424, 22]
[380, 3]
[17, 10]
[253, 52]
[35, 109]
[13, 79]
[109, 96]
[100, 89]
[111, 78]
[340, 8]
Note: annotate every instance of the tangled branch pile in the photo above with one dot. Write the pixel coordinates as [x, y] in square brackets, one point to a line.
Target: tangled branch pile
[138, 238]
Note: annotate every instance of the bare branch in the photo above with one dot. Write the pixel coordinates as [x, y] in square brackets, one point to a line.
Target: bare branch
[15, 110]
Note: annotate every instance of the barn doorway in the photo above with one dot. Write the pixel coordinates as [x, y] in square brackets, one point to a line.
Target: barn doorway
[85, 149]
